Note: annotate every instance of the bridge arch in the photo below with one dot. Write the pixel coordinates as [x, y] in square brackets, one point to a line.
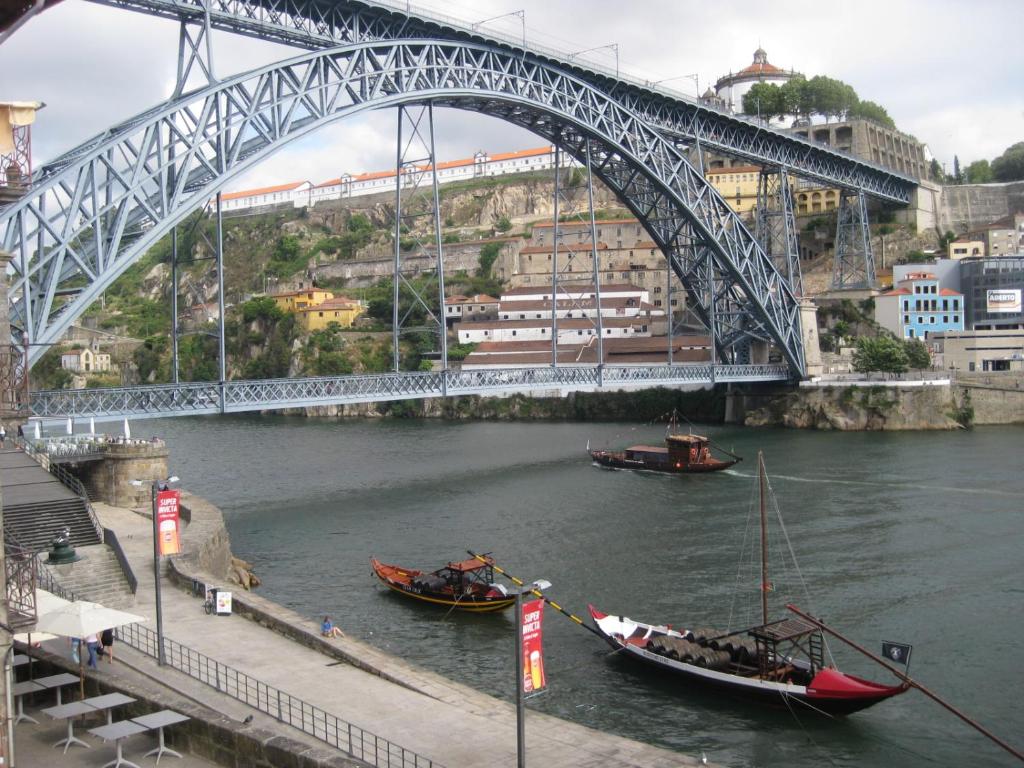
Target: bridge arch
[97, 209]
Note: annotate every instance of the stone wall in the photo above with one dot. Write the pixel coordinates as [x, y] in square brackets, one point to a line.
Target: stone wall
[111, 478]
[970, 206]
[997, 398]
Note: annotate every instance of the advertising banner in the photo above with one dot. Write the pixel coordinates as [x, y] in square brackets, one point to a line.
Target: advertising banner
[168, 522]
[533, 654]
[1003, 300]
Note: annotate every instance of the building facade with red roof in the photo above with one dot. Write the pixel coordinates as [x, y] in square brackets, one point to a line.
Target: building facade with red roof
[730, 89]
[918, 307]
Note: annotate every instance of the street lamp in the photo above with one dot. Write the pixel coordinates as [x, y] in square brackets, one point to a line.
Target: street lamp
[534, 588]
[156, 487]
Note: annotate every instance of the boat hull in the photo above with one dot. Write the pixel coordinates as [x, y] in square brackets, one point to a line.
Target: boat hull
[618, 460]
[400, 581]
[830, 692]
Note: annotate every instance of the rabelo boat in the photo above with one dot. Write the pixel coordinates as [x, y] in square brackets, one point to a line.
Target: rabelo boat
[467, 585]
[682, 454]
[778, 662]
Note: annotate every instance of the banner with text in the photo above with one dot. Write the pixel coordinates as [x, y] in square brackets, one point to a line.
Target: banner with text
[1002, 300]
[533, 653]
[168, 522]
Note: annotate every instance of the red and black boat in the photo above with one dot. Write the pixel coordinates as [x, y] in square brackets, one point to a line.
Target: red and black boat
[779, 662]
[467, 585]
[682, 454]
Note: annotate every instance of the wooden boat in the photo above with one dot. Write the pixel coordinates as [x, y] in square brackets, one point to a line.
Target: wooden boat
[781, 662]
[681, 454]
[467, 585]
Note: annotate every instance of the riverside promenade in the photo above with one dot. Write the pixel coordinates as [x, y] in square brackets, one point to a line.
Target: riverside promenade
[449, 723]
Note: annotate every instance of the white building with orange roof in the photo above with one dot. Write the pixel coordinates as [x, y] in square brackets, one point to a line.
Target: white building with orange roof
[295, 193]
[731, 88]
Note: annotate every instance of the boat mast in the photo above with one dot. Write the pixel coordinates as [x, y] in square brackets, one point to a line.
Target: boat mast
[764, 541]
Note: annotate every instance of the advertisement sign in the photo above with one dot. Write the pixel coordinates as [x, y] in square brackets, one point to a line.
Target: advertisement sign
[533, 654]
[1003, 300]
[168, 522]
[223, 606]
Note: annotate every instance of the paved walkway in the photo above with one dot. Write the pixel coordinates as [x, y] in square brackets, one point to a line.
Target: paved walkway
[435, 717]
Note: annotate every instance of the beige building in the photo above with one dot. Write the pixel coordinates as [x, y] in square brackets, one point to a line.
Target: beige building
[337, 309]
[293, 301]
[965, 247]
[1001, 238]
[993, 350]
[85, 361]
[625, 254]
[871, 141]
[738, 185]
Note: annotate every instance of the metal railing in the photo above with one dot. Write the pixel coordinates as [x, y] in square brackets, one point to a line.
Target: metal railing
[195, 398]
[67, 479]
[111, 540]
[22, 575]
[283, 707]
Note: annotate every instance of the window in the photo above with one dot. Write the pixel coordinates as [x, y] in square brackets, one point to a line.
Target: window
[657, 289]
[657, 302]
[514, 333]
[945, 318]
[906, 319]
[920, 320]
[910, 333]
[945, 304]
[917, 289]
[956, 318]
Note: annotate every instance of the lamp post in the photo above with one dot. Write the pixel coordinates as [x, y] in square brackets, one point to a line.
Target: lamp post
[155, 487]
[537, 586]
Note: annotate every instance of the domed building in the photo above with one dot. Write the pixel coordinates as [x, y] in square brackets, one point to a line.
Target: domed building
[731, 88]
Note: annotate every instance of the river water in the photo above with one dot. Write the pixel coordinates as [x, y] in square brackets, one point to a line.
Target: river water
[910, 537]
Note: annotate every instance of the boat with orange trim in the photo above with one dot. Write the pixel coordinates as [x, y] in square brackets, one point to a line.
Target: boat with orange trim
[682, 454]
[465, 585]
[782, 663]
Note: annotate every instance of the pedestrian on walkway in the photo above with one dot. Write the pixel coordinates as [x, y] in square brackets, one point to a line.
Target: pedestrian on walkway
[3, 435]
[327, 628]
[107, 643]
[92, 643]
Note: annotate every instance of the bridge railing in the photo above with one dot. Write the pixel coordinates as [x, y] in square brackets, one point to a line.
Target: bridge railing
[252, 395]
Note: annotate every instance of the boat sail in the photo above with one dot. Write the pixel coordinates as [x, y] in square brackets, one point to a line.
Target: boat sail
[776, 662]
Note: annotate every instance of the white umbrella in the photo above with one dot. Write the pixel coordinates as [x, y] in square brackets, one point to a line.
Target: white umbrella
[39, 430]
[70, 426]
[127, 430]
[92, 425]
[82, 618]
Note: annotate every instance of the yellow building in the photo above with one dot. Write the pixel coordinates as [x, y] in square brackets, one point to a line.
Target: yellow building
[295, 301]
[966, 247]
[738, 185]
[815, 200]
[341, 310]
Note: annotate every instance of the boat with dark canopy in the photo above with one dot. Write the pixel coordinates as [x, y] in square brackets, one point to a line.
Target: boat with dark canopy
[778, 662]
[682, 454]
[466, 585]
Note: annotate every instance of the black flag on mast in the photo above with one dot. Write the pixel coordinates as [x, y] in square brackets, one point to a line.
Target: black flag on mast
[897, 652]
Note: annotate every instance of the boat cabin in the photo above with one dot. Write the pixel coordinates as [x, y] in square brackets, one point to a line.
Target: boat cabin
[688, 449]
[788, 639]
[461, 576]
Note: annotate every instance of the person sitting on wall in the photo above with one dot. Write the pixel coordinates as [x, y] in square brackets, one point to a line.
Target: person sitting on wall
[327, 628]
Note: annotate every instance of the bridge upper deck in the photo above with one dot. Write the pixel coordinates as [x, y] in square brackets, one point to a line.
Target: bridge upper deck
[316, 24]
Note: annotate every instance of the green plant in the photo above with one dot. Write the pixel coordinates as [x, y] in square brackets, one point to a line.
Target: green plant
[503, 225]
[884, 353]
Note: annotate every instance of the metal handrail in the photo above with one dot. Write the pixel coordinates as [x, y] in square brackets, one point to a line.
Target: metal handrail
[283, 707]
[22, 574]
[111, 540]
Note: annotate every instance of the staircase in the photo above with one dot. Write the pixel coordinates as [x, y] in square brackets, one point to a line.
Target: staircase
[96, 577]
[35, 524]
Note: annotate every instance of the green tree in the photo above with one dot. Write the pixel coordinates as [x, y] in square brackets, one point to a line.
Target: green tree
[830, 97]
[936, 172]
[978, 172]
[1009, 166]
[488, 254]
[883, 353]
[869, 110]
[918, 357]
[503, 225]
[764, 99]
[957, 176]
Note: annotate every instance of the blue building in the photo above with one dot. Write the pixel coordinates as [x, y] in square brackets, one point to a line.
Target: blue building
[918, 307]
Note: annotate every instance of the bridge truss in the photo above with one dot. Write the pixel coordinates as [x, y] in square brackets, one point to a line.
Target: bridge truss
[96, 210]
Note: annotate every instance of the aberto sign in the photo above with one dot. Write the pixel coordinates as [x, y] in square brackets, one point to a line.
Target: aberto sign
[1003, 300]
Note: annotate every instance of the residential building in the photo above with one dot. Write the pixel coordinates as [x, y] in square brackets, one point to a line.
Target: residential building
[992, 288]
[337, 309]
[966, 247]
[625, 253]
[738, 185]
[347, 185]
[1001, 238]
[870, 141]
[617, 351]
[918, 307]
[479, 307]
[293, 301]
[85, 361]
[569, 331]
[988, 350]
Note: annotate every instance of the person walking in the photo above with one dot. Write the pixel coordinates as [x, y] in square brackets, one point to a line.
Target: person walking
[3, 436]
[92, 643]
[107, 643]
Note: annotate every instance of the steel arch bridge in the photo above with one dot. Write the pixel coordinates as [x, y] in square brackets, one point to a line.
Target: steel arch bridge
[105, 205]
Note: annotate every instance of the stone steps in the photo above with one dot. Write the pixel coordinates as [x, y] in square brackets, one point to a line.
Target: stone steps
[96, 577]
[36, 524]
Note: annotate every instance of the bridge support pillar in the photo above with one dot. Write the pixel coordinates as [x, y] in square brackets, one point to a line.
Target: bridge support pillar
[854, 265]
[809, 331]
[13, 402]
[776, 225]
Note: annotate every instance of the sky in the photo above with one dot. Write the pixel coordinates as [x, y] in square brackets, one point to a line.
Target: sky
[947, 71]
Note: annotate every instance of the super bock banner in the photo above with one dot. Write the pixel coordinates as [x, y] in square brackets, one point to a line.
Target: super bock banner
[897, 652]
[533, 656]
